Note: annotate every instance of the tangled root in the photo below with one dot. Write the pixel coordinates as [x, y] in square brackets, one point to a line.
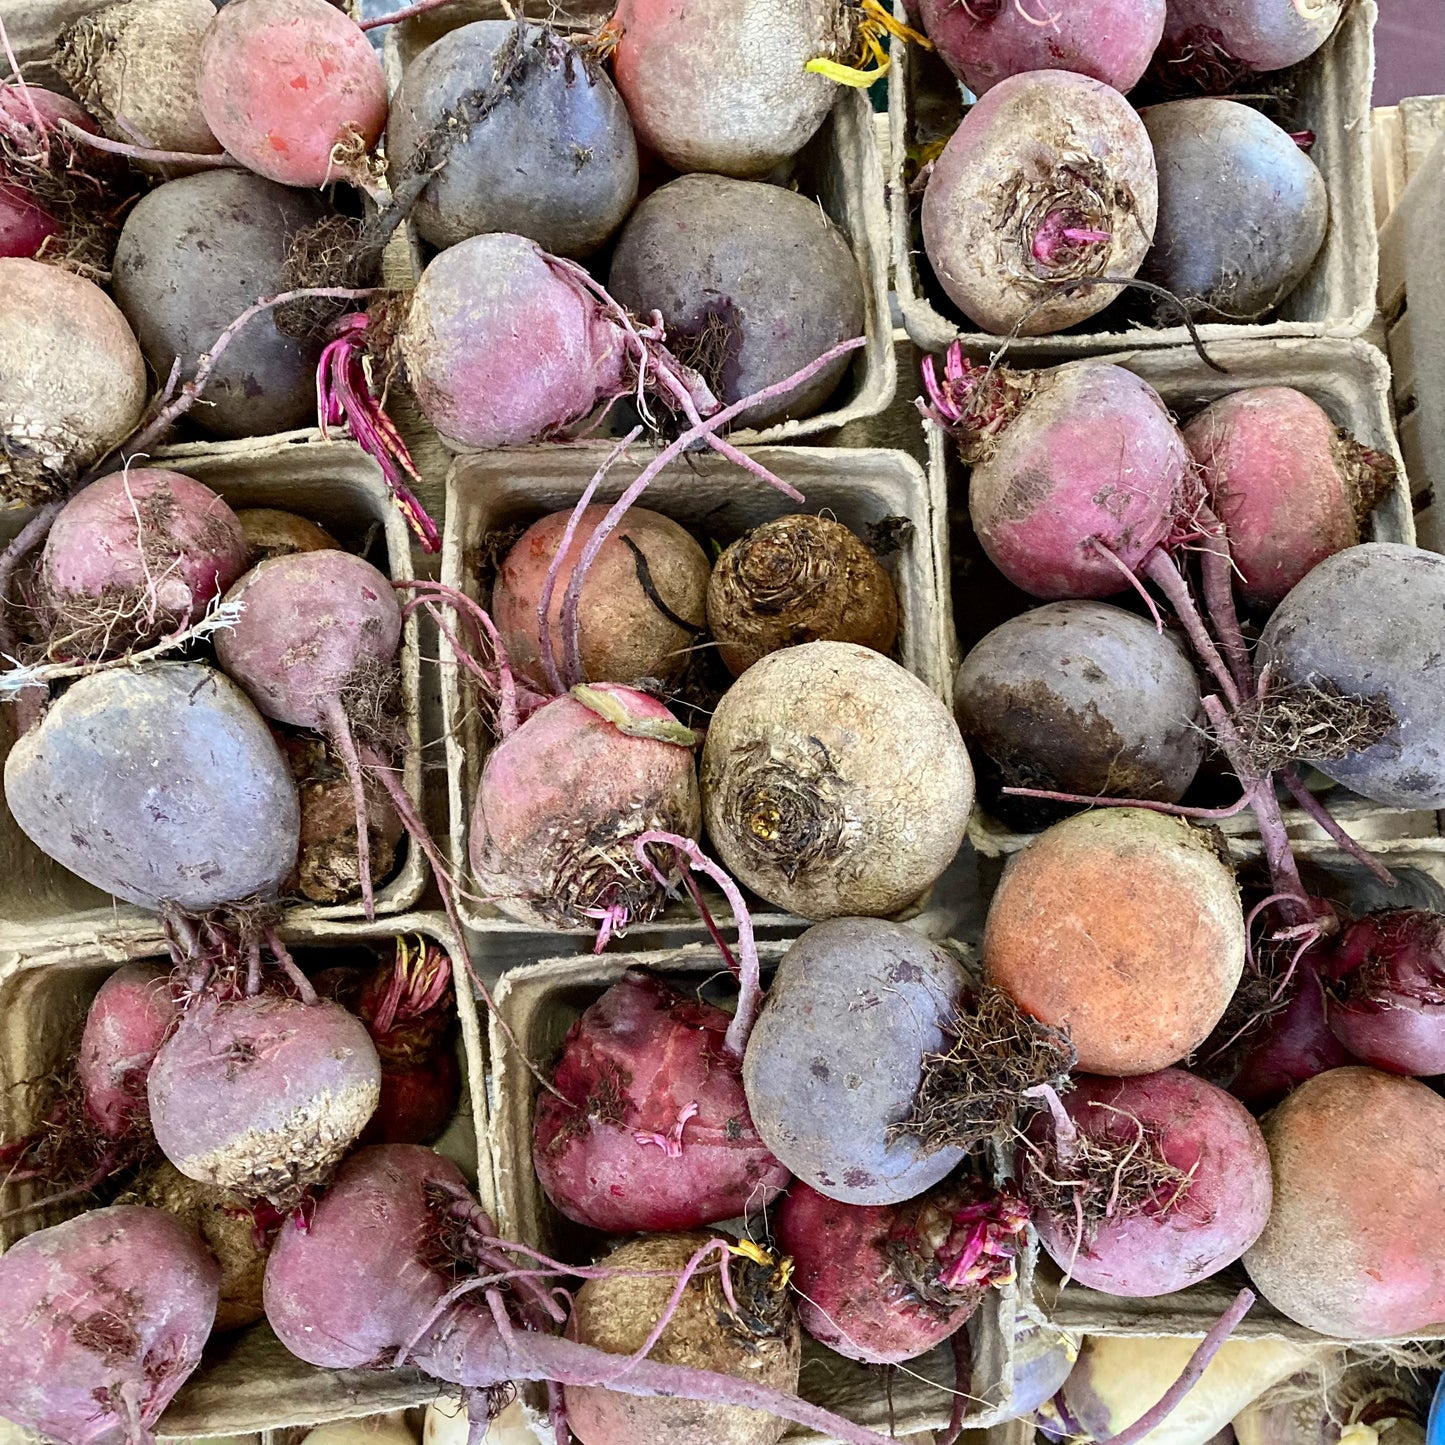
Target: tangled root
[973, 1092]
[1311, 721]
[371, 699]
[332, 253]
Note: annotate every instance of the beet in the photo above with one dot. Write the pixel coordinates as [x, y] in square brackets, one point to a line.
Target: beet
[1214, 44]
[653, 1130]
[127, 1022]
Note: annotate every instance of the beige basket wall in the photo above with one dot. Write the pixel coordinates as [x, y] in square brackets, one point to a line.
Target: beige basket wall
[247, 1381]
[488, 492]
[1336, 298]
[840, 167]
[1351, 381]
[541, 1002]
[334, 484]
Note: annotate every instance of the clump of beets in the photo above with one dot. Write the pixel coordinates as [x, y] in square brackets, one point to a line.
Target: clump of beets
[796, 579]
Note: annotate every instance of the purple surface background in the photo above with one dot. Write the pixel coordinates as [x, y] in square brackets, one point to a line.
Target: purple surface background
[1410, 50]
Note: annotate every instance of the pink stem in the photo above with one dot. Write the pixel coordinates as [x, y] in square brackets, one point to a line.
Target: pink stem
[1321, 815]
[962, 1379]
[412, 821]
[1199, 1361]
[420, 8]
[338, 731]
[1116, 561]
[619, 508]
[700, 903]
[1055, 235]
[282, 955]
[1217, 570]
[1160, 569]
[750, 995]
[544, 602]
[1174, 810]
[217, 161]
[1066, 1132]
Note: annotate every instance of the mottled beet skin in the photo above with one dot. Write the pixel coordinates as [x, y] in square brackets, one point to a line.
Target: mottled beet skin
[1256, 35]
[1186, 1231]
[631, 1068]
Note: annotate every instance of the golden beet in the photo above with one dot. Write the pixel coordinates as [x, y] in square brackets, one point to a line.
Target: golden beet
[618, 1314]
[1124, 927]
[798, 579]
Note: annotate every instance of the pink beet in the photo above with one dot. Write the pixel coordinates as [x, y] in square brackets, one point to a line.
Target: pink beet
[24, 227]
[127, 1023]
[1212, 43]
[136, 555]
[986, 41]
[1386, 998]
[293, 89]
[886, 1283]
[654, 1131]
[25, 221]
[562, 799]
[102, 1319]
[1290, 487]
[368, 1282]
[1204, 1203]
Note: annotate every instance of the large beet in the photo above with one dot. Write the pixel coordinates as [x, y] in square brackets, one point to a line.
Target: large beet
[161, 785]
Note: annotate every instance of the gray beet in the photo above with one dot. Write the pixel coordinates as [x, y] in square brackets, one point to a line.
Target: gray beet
[1079, 697]
[194, 254]
[754, 277]
[1370, 620]
[837, 1055]
[1242, 210]
[553, 159]
[161, 785]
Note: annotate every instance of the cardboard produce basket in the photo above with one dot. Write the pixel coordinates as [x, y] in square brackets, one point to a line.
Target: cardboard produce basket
[334, 484]
[1336, 298]
[541, 1001]
[491, 492]
[1351, 381]
[247, 1381]
[840, 168]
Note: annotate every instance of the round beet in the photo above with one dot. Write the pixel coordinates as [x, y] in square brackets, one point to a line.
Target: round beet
[653, 1130]
[986, 41]
[834, 782]
[293, 89]
[836, 1058]
[1049, 178]
[1193, 1183]
[1079, 697]
[1085, 453]
[649, 576]
[1386, 998]
[746, 305]
[562, 798]
[721, 85]
[1124, 928]
[72, 379]
[502, 349]
[1367, 622]
[24, 226]
[162, 785]
[263, 1095]
[1212, 42]
[134, 67]
[193, 255]
[127, 1021]
[552, 159]
[1242, 209]
[102, 1319]
[273, 533]
[1290, 486]
[134, 556]
[798, 579]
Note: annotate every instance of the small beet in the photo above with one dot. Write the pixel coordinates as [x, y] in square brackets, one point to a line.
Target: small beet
[1242, 210]
[553, 159]
[1050, 178]
[1212, 43]
[126, 1024]
[273, 533]
[798, 579]
[641, 608]
[643, 1066]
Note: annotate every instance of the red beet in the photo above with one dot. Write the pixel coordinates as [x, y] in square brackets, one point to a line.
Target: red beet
[886, 1283]
[655, 1133]
[128, 1021]
[1386, 1001]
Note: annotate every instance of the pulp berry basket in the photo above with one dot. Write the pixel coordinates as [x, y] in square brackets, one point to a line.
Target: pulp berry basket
[333, 483]
[247, 1381]
[540, 1002]
[840, 168]
[1351, 381]
[1336, 298]
[490, 494]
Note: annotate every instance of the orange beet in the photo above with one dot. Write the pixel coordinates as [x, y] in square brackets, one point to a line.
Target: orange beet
[1352, 1246]
[1124, 927]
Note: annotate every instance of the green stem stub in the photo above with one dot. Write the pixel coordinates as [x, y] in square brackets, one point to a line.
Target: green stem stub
[611, 707]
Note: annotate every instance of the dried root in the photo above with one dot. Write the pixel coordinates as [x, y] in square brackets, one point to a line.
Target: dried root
[1312, 721]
